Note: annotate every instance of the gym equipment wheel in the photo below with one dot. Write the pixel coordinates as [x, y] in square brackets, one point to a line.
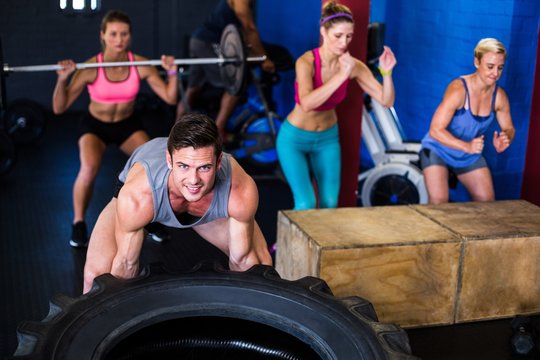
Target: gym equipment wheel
[258, 141]
[394, 184]
[211, 313]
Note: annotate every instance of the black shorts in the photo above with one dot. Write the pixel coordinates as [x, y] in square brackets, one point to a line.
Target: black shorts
[429, 157]
[115, 133]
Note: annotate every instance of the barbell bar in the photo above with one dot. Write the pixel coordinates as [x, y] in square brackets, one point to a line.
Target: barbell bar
[199, 61]
[232, 61]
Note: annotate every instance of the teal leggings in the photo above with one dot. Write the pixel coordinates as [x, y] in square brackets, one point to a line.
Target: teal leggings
[305, 154]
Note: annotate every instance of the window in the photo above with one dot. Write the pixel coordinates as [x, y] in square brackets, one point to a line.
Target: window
[80, 6]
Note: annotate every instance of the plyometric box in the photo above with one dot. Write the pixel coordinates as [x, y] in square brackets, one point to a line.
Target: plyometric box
[420, 265]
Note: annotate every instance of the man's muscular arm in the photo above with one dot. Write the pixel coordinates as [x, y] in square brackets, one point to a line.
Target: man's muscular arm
[247, 246]
[134, 211]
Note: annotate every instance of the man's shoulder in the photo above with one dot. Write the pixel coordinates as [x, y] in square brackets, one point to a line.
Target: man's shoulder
[135, 200]
[243, 198]
[241, 181]
[157, 140]
[158, 144]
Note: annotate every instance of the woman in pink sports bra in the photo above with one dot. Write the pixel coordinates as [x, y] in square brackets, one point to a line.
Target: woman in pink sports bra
[308, 142]
[110, 117]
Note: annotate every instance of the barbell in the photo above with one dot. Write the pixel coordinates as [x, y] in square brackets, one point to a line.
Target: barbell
[231, 59]
[51, 67]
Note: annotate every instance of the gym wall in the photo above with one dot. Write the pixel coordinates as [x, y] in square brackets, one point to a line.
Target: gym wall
[295, 25]
[434, 42]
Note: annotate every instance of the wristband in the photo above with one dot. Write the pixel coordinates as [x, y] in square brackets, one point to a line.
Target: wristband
[172, 72]
[384, 72]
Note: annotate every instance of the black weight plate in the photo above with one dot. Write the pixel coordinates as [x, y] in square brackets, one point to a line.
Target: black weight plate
[24, 121]
[233, 73]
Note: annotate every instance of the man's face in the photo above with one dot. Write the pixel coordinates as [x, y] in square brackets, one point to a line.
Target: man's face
[193, 171]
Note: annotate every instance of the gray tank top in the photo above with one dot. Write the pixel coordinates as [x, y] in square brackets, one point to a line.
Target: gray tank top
[152, 156]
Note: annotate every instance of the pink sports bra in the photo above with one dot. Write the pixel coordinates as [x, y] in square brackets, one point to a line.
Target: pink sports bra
[338, 95]
[102, 90]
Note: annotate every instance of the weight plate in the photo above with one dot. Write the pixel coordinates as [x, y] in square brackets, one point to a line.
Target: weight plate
[233, 73]
[24, 121]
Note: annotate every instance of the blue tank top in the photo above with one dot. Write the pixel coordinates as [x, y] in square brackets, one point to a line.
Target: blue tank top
[152, 156]
[212, 27]
[465, 126]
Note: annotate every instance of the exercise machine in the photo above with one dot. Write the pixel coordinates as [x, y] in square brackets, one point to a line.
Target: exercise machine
[255, 125]
[395, 177]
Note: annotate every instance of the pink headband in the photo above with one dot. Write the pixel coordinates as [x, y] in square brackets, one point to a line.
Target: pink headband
[335, 16]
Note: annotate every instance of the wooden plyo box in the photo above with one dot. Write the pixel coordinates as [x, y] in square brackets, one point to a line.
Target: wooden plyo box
[422, 264]
[500, 263]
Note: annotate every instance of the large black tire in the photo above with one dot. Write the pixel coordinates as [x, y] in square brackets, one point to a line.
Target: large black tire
[245, 315]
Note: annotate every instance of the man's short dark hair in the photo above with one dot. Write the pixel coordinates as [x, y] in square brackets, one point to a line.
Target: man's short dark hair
[195, 130]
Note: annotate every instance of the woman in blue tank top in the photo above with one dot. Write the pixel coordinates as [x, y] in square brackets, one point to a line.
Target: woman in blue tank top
[455, 140]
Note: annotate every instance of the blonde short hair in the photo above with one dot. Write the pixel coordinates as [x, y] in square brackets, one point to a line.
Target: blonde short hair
[489, 45]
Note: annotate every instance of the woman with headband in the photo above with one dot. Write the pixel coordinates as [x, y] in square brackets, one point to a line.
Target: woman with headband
[308, 141]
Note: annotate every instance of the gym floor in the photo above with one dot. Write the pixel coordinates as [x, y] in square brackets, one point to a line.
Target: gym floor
[37, 261]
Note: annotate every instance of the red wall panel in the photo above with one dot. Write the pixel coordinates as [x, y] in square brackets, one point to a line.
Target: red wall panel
[530, 189]
[350, 111]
